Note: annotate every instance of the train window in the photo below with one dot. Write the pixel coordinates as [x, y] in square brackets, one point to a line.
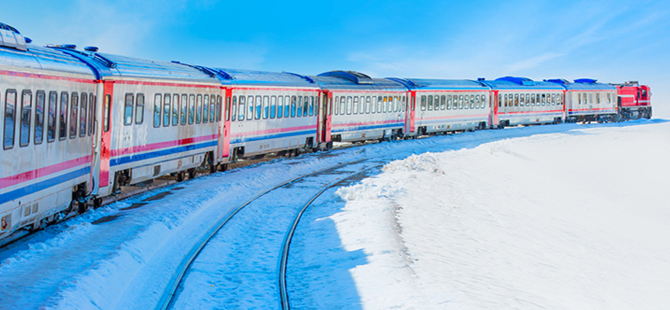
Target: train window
[205, 109]
[62, 119]
[305, 106]
[128, 109]
[532, 100]
[337, 105]
[227, 111]
[584, 101]
[466, 101]
[273, 106]
[92, 116]
[158, 105]
[543, 99]
[184, 109]
[477, 102]
[82, 114]
[597, 98]
[39, 116]
[233, 110]
[348, 106]
[343, 106]
[355, 109]
[25, 117]
[214, 108]
[250, 110]
[259, 103]
[443, 102]
[559, 99]
[508, 100]
[198, 109]
[242, 109]
[368, 104]
[484, 101]
[373, 104]
[591, 98]
[384, 104]
[266, 107]
[292, 107]
[74, 109]
[527, 99]
[311, 105]
[106, 113]
[460, 102]
[437, 102]
[430, 103]
[287, 106]
[10, 119]
[280, 106]
[191, 109]
[166, 109]
[522, 100]
[423, 103]
[330, 106]
[609, 98]
[175, 109]
[380, 104]
[515, 100]
[448, 102]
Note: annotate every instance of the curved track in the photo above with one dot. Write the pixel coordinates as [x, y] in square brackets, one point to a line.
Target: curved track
[277, 224]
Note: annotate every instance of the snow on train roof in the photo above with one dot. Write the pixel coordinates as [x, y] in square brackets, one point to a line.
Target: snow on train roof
[130, 67]
[583, 84]
[43, 58]
[510, 82]
[434, 84]
[265, 78]
[355, 81]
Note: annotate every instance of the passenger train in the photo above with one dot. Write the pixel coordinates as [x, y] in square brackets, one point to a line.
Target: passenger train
[78, 124]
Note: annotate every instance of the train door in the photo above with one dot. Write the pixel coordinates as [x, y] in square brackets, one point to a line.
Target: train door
[224, 129]
[325, 119]
[495, 101]
[106, 137]
[410, 108]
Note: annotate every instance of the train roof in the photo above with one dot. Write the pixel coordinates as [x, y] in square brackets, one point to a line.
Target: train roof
[110, 65]
[264, 78]
[350, 80]
[436, 84]
[42, 58]
[510, 82]
[582, 84]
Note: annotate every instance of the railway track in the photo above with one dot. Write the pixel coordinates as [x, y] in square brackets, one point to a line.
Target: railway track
[276, 226]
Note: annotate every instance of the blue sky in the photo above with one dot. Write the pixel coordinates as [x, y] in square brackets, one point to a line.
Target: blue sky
[611, 41]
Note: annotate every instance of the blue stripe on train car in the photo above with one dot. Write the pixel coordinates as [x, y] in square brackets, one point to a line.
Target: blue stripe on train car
[133, 158]
[355, 128]
[34, 188]
[273, 136]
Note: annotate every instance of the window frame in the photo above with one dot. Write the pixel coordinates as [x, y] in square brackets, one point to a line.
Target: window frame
[23, 119]
[39, 121]
[158, 110]
[62, 121]
[128, 107]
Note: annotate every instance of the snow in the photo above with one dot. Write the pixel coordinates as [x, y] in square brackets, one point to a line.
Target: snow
[560, 217]
[569, 220]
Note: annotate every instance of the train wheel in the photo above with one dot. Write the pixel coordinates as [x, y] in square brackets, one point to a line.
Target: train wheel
[180, 176]
[191, 174]
[97, 202]
[59, 216]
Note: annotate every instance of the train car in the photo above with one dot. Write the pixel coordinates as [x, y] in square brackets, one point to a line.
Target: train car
[447, 105]
[633, 101]
[270, 112]
[48, 104]
[156, 118]
[588, 101]
[363, 108]
[522, 101]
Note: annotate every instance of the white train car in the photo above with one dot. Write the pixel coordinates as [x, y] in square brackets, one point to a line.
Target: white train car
[48, 106]
[588, 101]
[157, 118]
[363, 108]
[522, 101]
[268, 112]
[447, 105]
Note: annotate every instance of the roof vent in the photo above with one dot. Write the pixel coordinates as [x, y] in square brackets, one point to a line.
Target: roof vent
[28, 40]
[356, 77]
[70, 46]
[481, 79]
[558, 81]
[10, 37]
[91, 49]
[586, 81]
[518, 80]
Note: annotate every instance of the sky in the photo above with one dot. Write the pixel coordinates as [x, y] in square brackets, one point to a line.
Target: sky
[612, 41]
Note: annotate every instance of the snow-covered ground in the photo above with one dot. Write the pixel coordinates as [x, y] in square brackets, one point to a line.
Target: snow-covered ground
[578, 219]
[567, 216]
